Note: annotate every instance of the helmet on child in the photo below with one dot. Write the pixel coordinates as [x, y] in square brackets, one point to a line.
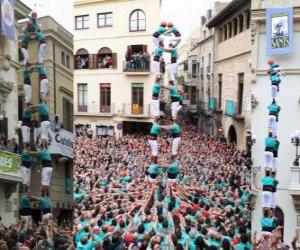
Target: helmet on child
[270, 61]
[34, 14]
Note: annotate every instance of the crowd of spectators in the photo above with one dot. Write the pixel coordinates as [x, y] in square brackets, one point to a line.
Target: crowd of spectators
[137, 61]
[208, 207]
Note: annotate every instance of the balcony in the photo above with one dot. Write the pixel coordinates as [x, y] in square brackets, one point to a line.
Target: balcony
[95, 110]
[234, 110]
[136, 68]
[136, 111]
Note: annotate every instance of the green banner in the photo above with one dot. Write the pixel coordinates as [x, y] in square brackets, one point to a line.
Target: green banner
[9, 163]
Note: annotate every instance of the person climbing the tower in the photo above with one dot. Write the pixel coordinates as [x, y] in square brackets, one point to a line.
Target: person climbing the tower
[268, 184]
[27, 85]
[274, 110]
[26, 125]
[158, 55]
[172, 174]
[45, 205]
[153, 172]
[44, 89]
[25, 169]
[175, 132]
[175, 98]
[43, 111]
[173, 67]
[154, 133]
[156, 89]
[157, 35]
[173, 30]
[26, 210]
[275, 156]
[270, 145]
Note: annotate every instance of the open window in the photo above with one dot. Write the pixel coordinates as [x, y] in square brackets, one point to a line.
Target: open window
[81, 59]
[137, 58]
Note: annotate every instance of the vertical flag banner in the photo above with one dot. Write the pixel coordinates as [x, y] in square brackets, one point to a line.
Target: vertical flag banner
[280, 31]
[7, 17]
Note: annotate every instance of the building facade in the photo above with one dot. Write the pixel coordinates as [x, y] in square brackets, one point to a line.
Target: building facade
[9, 163]
[59, 65]
[288, 175]
[112, 77]
[231, 76]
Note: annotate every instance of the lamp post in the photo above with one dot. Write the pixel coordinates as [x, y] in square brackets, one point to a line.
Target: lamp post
[295, 140]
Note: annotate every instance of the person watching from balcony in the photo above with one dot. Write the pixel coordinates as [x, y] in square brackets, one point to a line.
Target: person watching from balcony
[56, 124]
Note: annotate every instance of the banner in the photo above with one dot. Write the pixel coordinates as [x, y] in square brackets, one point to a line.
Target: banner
[280, 31]
[7, 18]
[62, 143]
[9, 163]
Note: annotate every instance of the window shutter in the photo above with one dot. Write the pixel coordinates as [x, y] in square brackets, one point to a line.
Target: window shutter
[91, 61]
[114, 60]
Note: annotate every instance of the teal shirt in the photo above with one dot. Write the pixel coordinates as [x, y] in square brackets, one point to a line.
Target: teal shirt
[173, 91]
[174, 53]
[156, 89]
[160, 30]
[175, 129]
[27, 114]
[270, 142]
[174, 168]
[45, 202]
[26, 157]
[174, 30]
[274, 108]
[275, 78]
[159, 52]
[267, 222]
[41, 70]
[88, 246]
[153, 169]
[44, 155]
[155, 130]
[26, 73]
[43, 110]
[267, 181]
[25, 202]
[243, 246]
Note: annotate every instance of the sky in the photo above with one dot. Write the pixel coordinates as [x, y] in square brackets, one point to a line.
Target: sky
[185, 14]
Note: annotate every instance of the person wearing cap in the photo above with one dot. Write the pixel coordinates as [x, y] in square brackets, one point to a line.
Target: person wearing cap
[177, 35]
[173, 67]
[44, 89]
[156, 89]
[268, 185]
[25, 169]
[157, 35]
[26, 125]
[274, 110]
[27, 85]
[270, 145]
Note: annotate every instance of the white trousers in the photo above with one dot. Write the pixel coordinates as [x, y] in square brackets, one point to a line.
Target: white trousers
[174, 107]
[47, 216]
[42, 52]
[173, 71]
[273, 200]
[154, 147]
[157, 40]
[155, 107]
[269, 159]
[26, 175]
[25, 134]
[156, 67]
[274, 91]
[28, 221]
[44, 87]
[45, 126]
[275, 164]
[27, 93]
[46, 176]
[176, 40]
[175, 145]
[272, 124]
[25, 55]
[267, 199]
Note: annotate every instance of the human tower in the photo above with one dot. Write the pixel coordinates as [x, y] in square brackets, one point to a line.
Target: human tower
[161, 121]
[33, 131]
[269, 181]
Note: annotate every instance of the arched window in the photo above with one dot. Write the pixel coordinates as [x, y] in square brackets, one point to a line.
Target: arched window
[104, 58]
[137, 21]
[81, 59]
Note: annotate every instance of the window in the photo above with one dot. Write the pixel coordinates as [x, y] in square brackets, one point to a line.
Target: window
[235, 26]
[63, 58]
[68, 61]
[105, 98]
[81, 59]
[240, 92]
[220, 80]
[209, 63]
[137, 21]
[105, 19]
[67, 114]
[241, 26]
[105, 58]
[82, 22]
[137, 93]
[82, 97]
